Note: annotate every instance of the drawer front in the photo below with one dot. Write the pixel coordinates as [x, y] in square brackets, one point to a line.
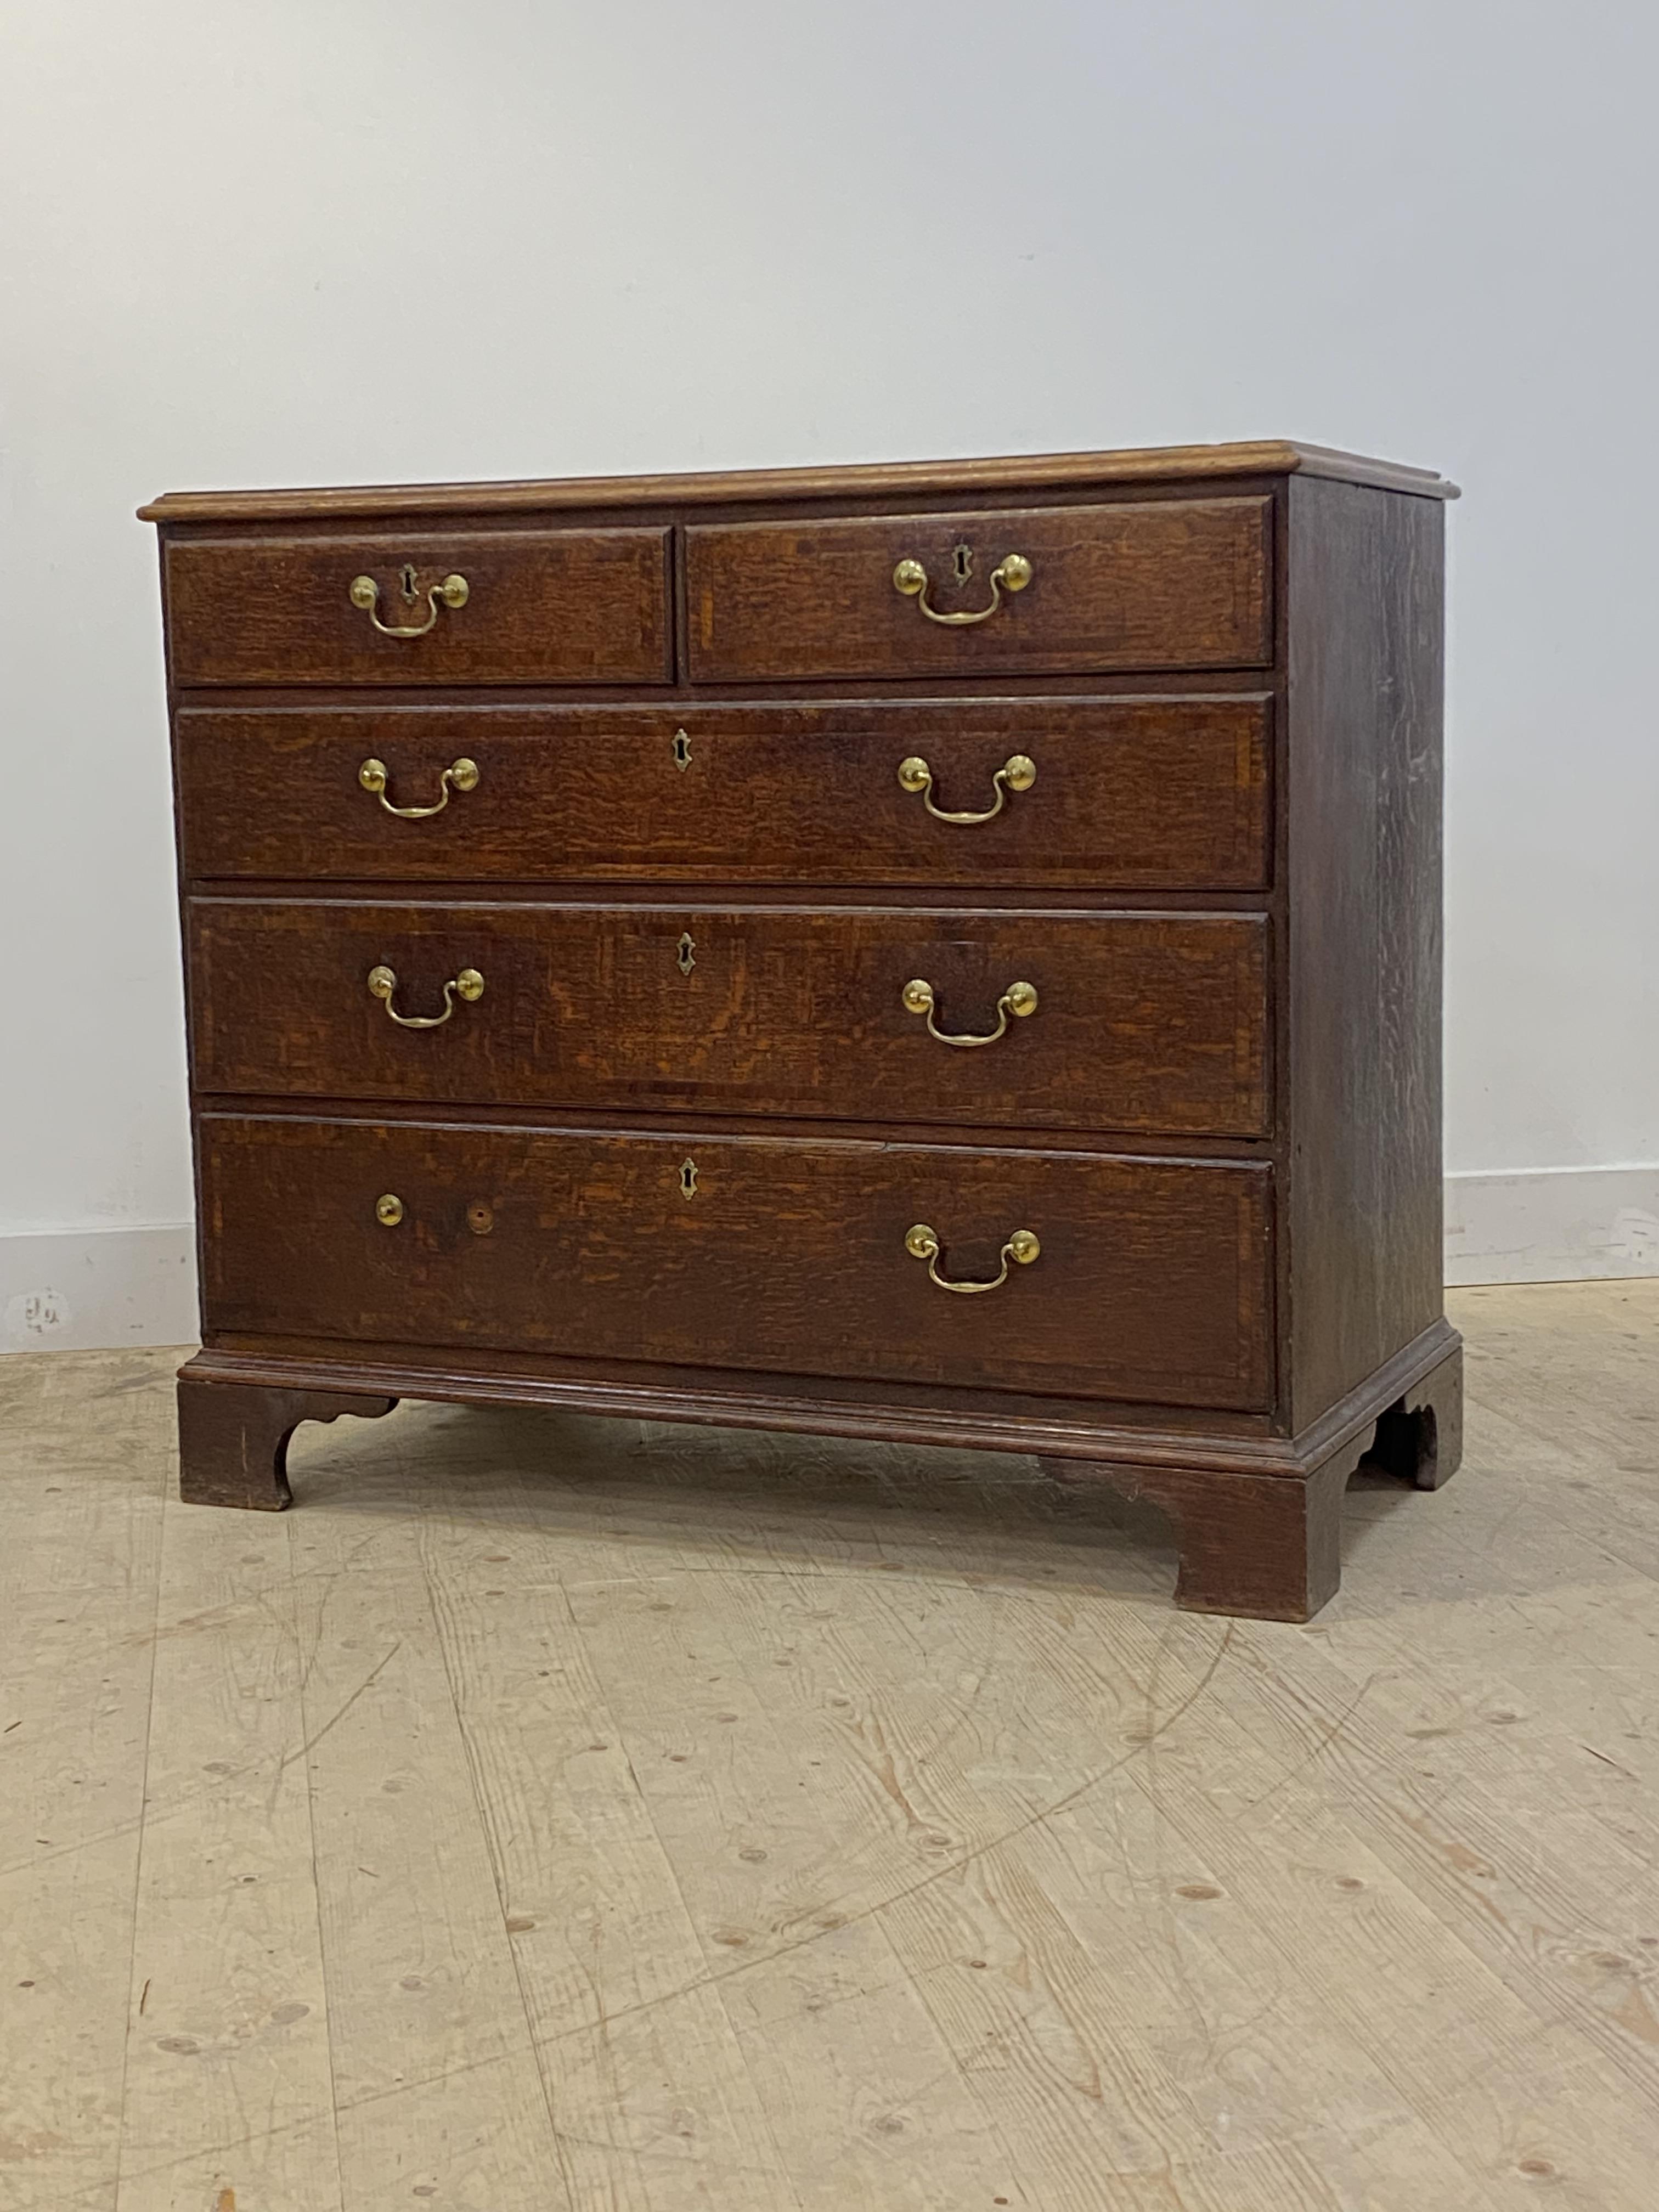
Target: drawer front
[1149, 584]
[543, 606]
[1141, 1022]
[1160, 794]
[1150, 1283]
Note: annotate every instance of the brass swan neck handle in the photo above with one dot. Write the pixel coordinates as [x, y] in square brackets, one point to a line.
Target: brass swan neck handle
[922, 1243]
[1012, 573]
[1018, 772]
[383, 982]
[1018, 999]
[452, 592]
[461, 775]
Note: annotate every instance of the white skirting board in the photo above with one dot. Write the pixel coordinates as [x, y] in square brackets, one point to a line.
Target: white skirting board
[83, 1290]
[1553, 1225]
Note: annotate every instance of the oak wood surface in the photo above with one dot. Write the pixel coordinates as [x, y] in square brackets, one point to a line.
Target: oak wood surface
[976, 1416]
[880, 479]
[1143, 1021]
[233, 1443]
[1253, 1543]
[1150, 581]
[569, 606]
[1233, 1916]
[1156, 793]
[1419, 1439]
[1182, 584]
[1362, 986]
[1152, 1283]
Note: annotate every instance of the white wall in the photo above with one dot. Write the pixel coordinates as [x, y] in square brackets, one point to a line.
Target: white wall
[317, 242]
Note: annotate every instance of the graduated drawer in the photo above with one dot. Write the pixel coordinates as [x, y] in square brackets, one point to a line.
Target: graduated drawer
[1136, 583]
[1151, 1022]
[1152, 1281]
[540, 606]
[1154, 794]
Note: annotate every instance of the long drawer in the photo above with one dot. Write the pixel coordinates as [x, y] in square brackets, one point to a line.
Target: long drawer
[1059, 590]
[1148, 1279]
[1131, 1021]
[1154, 794]
[500, 606]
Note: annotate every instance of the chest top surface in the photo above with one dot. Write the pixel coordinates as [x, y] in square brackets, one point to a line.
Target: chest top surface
[875, 479]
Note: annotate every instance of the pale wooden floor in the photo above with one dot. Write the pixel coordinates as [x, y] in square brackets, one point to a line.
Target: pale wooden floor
[550, 1812]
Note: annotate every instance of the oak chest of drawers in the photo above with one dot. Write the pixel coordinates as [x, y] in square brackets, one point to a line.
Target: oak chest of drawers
[945, 952]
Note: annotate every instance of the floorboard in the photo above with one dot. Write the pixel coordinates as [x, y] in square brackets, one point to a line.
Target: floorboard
[558, 1815]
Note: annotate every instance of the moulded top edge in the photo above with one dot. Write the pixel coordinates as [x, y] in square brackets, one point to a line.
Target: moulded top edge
[1010, 472]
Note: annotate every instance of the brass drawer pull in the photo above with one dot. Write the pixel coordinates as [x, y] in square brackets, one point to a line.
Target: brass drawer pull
[388, 1209]
[460, 775]
[383, 982]
[921, 1243]
[1018, 772]
[365, 593]
[1018, 999]
[1012, 572]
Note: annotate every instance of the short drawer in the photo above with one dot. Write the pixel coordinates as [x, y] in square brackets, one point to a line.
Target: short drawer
[1150, 1280]
[511, 606]
[1146, 1022]
[1155, 793]
[1056, 590]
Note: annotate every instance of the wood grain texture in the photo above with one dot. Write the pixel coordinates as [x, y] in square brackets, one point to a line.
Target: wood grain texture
[1269, 1548]
[885, 480]
[1283, 1033]
[791, 1255]
[656, 2103]
[1363, 1002]
[227, 2080]
[1176, 584]
[435, 2079]
[1253, 1545]
[1156, 793]
[867, 2102]
[882, 1829]
[233, 1443]
[1147, 1022]
[983, 1416]
[568, 606]
[1419, 1438]
[85, 1455]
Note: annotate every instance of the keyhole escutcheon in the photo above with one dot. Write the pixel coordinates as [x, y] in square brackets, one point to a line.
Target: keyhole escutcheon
[687, 1178]
[962, 560]
[686, 953]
